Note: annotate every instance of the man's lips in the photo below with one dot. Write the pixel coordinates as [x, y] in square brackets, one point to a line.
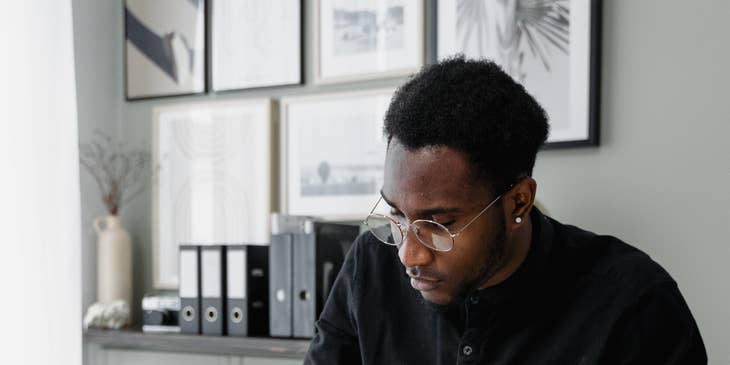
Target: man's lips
[424, 284]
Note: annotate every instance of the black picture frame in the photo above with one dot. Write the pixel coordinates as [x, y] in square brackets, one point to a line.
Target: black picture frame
[211, 44]
[446, 41]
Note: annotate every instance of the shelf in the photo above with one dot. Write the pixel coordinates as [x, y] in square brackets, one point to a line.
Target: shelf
[220, 345]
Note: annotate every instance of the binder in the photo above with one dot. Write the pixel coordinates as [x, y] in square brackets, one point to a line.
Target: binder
[318, 255]
[280, 279]
[212, 289]
[237, 318]
[283, 227]
[257, 287]
[189, 275]
[284, 223]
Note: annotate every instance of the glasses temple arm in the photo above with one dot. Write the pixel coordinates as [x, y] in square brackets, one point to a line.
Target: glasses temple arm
[475, 217]
[376, 205]
[372, 210]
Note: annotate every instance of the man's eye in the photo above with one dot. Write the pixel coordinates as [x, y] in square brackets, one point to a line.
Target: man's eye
[447, 223]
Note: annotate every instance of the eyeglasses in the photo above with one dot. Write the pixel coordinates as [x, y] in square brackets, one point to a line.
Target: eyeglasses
[431, 234]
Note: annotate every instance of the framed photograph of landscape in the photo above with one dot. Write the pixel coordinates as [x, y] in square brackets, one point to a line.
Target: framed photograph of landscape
[332, 154]
[164, 48]
[212, 178]
[255, 43]
[552, 47]
[368, 39]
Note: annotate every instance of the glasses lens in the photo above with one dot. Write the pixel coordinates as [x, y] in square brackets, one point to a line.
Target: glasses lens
[384, 229]
[433, 235]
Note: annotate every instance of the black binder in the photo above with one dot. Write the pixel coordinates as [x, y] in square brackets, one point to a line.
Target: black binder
[257, 282]
[189, 283]
[318, 255]
[213, 289]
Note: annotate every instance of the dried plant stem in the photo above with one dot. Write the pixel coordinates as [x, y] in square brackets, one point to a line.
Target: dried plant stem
[118, 172]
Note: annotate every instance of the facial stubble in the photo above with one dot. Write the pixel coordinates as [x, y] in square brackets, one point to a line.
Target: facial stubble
[493, 263]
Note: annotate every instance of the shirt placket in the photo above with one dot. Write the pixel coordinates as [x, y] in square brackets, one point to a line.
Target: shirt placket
[473, 342]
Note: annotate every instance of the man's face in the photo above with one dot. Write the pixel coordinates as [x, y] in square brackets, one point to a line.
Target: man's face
[435, 183]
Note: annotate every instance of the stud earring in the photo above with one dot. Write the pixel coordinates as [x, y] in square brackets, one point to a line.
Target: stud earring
[518, 220]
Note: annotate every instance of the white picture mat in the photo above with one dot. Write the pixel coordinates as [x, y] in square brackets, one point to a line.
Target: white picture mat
[346, 130]
[255, 43]
[381, 62]
[212, 178]
[569, 120]
[164, 17]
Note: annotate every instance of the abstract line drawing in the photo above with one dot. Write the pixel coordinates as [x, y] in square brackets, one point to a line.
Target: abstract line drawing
[212, 179]
[255, 43]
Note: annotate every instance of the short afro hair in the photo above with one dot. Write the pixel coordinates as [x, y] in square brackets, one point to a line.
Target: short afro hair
[472, 106]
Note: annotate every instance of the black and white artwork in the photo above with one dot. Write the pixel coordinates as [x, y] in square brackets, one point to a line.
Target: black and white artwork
[360, 30]
[333, 152]
[255, 43]
[546, 45]
[212, 178]
[164, 47]
[362, 39]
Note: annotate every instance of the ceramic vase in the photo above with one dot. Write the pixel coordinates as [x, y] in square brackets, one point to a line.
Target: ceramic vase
[114, 260]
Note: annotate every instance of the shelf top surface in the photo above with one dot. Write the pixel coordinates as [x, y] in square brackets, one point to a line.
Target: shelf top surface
[248, 346]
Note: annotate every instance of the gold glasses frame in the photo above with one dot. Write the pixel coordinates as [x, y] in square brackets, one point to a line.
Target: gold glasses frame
[404, 227]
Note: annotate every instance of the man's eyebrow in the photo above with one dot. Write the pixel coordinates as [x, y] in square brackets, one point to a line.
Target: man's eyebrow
[425, 212]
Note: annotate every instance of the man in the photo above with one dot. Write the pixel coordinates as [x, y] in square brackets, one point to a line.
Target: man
[465, 270]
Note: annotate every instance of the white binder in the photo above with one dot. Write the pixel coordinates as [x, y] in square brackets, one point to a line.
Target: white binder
[212, 289]
[189, 275]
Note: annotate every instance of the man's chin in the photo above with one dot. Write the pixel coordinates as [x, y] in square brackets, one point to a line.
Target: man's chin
[440, 301]
[437, 298]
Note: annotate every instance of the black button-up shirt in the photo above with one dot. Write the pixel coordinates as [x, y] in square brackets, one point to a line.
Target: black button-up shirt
[578, 298]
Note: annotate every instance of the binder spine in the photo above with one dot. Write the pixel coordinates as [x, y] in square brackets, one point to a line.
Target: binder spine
[237, 317]
[213, 288]
[318, 256]
[236, 301]
[304, 284]
[189, 275]
[280, 264]
[258, 290]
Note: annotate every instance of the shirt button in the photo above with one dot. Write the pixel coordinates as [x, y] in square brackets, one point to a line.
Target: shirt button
[467, 350]
[474, 299]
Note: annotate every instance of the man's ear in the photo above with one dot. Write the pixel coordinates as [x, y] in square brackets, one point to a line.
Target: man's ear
[518, 202]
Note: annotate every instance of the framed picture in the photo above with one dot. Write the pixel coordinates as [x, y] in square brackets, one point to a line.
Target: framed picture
[332, 154]
[212, 178]
[164, 47]
[255, 43]
[366, 39]
[550, 46]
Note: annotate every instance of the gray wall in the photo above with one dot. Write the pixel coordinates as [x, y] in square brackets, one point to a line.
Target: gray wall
[98, 52]
[659, 180]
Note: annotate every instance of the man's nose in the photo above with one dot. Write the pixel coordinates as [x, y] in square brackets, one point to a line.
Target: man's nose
[412, 253]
